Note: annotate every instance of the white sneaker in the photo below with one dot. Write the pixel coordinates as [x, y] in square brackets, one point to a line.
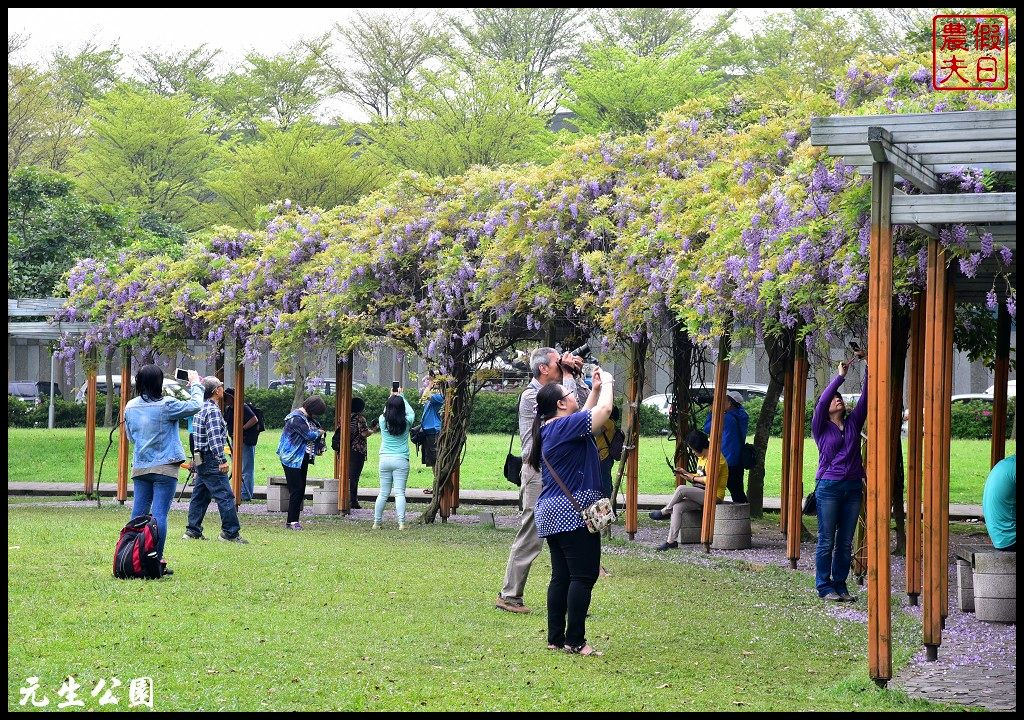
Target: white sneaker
[401, 526]
[376, 526]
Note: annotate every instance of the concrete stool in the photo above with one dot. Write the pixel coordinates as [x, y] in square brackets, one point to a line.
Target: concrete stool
[965, 585]
[995, 586]
[325, 502]
[732, 526]
[277, 498]
[689, 527]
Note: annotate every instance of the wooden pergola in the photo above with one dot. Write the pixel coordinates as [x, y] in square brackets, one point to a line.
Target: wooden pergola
[917, 148]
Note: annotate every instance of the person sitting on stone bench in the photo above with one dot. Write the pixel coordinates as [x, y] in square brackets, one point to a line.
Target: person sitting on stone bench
[691, 497]
[999, 504]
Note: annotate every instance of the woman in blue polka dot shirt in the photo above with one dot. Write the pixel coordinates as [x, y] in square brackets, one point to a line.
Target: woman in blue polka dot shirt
[563, 441]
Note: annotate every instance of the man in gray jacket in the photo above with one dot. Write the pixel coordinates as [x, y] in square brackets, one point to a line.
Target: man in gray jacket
[546, 367]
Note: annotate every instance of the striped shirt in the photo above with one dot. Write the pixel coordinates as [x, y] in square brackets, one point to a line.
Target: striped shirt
[210, 431]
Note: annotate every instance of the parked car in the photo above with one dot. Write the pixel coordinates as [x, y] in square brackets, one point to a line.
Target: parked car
[1011, 389]
[313, 385]
[35, 393]
[704, 395]
[171, 387]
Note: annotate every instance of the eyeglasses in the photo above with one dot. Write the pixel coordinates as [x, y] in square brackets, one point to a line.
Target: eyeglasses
[565, 396]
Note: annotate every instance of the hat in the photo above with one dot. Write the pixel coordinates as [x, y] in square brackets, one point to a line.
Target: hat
[211, 383]
[735, 396]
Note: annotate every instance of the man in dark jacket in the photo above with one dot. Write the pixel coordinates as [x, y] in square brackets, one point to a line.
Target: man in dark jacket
[734, 435]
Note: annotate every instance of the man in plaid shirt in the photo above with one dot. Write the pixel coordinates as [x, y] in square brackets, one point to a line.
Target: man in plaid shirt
[211, 482]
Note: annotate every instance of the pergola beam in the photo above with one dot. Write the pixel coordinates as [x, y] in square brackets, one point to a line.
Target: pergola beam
[883, 149]
[948, 209]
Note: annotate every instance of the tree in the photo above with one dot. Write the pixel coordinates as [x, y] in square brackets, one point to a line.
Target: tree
[86, 74]
[186, 71]
[313, 165]
[615, 89]
[280, 89]
[150, 152]
[453, 119]
[50, 227]
[645, 31]
[386, 50]
[542, 41]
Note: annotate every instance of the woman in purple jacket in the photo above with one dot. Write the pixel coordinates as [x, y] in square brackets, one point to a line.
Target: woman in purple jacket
[838, 486]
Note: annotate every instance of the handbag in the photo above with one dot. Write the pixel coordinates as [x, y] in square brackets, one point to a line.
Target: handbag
[597, 516]
[513, 465]
[810, 502]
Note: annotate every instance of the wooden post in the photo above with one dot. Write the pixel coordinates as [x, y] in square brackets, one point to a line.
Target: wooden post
[787, 445]
[219, 360]
[633, 458]
[1002, 374]
[915, 426]
[879, 423]
[944, 445]
[90, 424]
[445, 503]
[795, 484]
[707, 526]
[238, 420]
[934, 316]
[122, 448]
[343, 413]
[455, 489]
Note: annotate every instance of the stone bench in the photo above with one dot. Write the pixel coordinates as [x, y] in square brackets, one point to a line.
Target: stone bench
[278, 495]
[995, 586]
[732, 526]
[965, 575]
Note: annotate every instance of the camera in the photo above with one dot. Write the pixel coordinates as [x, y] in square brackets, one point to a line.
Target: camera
[180, 374]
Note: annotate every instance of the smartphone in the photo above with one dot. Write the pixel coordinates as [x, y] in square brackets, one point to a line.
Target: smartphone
[854, 346]
[180, 374]
[395, 385]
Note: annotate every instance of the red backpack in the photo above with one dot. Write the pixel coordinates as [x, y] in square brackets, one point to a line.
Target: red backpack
[135, 555]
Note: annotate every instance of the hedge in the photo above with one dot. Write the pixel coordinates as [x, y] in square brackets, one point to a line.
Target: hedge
[492, 413]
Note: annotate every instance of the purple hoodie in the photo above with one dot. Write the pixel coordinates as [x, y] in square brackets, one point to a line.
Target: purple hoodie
[839, 450]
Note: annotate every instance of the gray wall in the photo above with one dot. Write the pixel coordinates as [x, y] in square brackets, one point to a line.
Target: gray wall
[29, 360]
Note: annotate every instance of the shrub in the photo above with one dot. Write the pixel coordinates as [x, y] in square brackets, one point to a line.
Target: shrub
[973, 420]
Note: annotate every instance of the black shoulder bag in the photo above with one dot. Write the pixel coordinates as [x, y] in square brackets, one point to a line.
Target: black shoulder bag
[514, 463]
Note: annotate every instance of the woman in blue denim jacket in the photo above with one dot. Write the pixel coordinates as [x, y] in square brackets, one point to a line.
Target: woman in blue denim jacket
[151, 422]
[301, 440]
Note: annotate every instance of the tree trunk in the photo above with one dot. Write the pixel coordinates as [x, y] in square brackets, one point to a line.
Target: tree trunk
[682, 379]
[632, 430]
[900, 345]
[452, 438]
[108, 408]
[778, 350]
[300, 378]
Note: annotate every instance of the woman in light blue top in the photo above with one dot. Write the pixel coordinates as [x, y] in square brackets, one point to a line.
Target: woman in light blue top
[394, 455]
[151, 424]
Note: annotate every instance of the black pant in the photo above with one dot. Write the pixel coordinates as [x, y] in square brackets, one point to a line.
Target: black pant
[355, 469]
[296, 478]
[735, 484]
[575, 563]
[429, 448]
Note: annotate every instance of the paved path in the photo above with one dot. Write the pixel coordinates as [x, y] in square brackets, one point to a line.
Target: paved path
[478, 497]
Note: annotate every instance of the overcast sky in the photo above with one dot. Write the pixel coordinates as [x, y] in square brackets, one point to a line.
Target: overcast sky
[235, 31]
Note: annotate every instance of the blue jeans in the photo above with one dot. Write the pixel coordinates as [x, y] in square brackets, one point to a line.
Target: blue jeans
[212, 484]
[394, 473]
[838, 504]
[606, 476]
[153, 495]
[248, 471]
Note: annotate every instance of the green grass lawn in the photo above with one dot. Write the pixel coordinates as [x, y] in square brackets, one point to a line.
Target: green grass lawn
[58, 456]
[342, 617]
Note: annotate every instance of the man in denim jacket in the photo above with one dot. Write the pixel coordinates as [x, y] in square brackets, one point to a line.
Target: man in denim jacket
[211, 483]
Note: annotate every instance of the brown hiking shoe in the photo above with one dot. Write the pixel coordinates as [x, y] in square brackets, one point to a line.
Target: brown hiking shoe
[510, 606]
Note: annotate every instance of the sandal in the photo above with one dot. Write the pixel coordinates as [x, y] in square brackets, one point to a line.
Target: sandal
[553, 647]
[585, 650]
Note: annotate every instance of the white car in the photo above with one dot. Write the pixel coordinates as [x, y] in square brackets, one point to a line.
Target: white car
[172, 388]
[1011, 389]
[703, 395]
